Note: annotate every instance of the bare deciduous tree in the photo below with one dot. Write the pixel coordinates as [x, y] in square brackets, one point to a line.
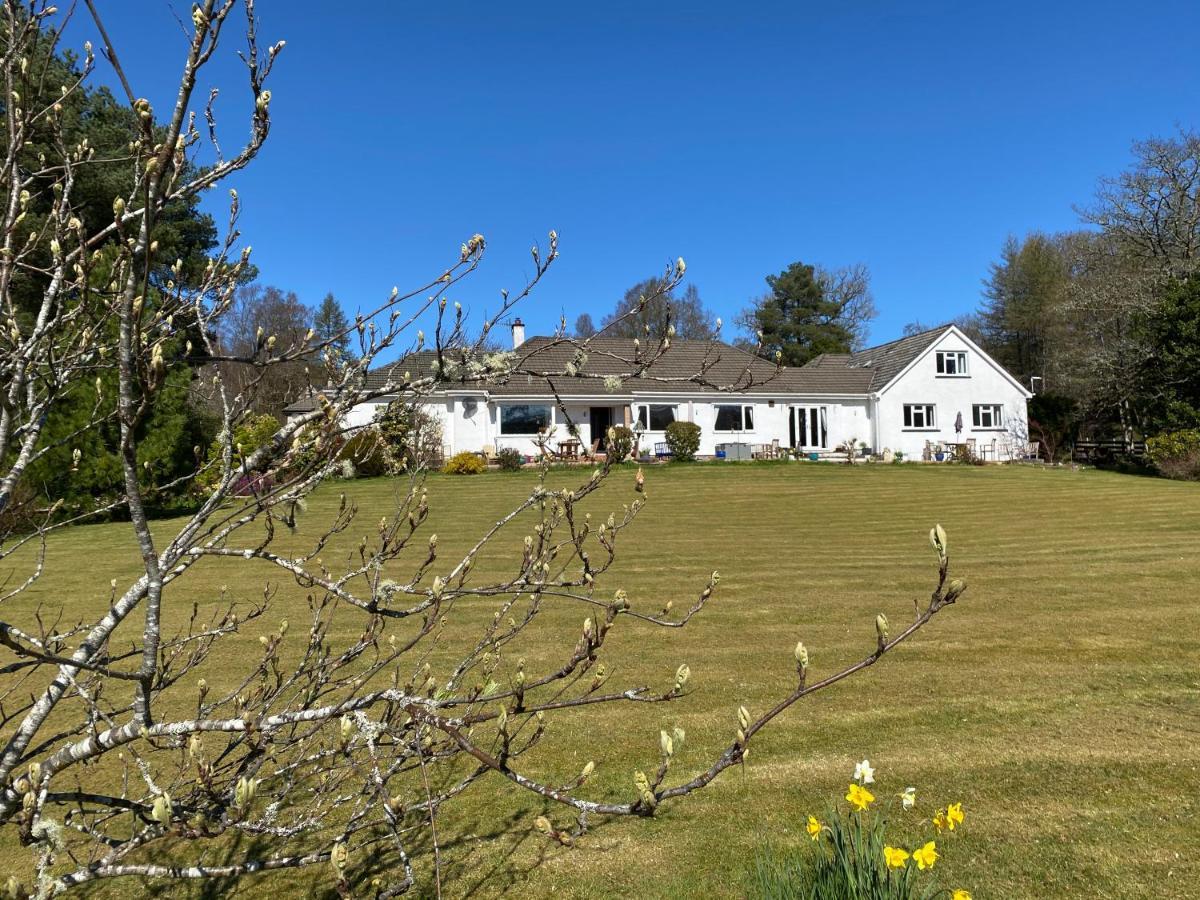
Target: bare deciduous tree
[1153, 209]
[135, 744]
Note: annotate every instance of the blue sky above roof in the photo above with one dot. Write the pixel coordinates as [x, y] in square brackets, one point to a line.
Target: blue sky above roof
[911, 138]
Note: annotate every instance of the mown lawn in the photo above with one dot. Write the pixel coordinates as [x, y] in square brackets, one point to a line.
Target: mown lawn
[1059, 701]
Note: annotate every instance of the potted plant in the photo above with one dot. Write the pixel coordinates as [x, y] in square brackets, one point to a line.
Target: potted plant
[939, 454]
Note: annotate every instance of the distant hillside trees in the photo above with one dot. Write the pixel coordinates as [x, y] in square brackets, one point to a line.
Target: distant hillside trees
[651, 306]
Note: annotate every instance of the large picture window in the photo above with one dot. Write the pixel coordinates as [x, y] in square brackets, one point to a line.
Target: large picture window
[952, 362]
[731, 417]
[524, 418]
[919, 415]
[655, 416]
[987, 415]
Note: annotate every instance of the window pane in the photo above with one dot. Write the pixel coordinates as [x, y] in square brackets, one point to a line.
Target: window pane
[824, 429]
[661, 415]
[976, 416]
[749, 418]
[729, 418]
[908, 417]
[641, 416]
[941, 365]
[524, 418]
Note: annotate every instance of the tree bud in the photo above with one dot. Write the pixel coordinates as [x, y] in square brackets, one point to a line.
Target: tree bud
[161, 811]
[801, 654]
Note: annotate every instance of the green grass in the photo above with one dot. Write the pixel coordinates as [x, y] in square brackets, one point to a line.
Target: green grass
[1059, 700]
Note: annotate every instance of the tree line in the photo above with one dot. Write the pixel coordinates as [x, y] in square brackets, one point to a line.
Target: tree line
[806, 311]
[1103, 322]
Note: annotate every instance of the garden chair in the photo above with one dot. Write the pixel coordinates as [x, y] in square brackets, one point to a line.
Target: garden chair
[662, 450]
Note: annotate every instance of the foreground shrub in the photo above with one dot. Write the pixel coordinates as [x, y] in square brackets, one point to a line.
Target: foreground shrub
[620, 443]
[465, 463]
[1176, 454]
[863, 851]
[366, 453]
[510, 459]
[683, 440]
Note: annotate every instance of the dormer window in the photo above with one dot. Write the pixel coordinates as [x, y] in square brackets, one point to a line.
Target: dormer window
[952, 362]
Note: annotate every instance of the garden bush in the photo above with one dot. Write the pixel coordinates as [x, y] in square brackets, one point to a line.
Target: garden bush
[683, 440]
[510, 459]
[368, 453]
[465, 463]
[1176, 454]
[620, 443]
[412, 437]
[248, 436]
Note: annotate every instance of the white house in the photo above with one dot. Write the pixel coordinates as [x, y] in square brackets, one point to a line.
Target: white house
[905, 395]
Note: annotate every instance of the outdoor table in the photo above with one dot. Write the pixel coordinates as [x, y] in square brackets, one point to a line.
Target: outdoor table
[568, 449]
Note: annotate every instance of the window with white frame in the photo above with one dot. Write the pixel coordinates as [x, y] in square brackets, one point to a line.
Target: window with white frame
[655, 416]
[952, 362]
[987, 415]
[525, 418]
[734, 417]
[919, 415]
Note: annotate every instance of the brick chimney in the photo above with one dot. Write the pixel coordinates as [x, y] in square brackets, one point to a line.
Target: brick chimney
[518, 331]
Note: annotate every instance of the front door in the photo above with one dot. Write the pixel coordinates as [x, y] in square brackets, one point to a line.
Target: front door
[601, 420]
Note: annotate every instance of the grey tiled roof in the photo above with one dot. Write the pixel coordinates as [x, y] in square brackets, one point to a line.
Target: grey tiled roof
[705, 367]
[888, 360]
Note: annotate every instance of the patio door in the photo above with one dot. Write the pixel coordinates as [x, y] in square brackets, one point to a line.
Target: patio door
[600, 418]
[809, 428]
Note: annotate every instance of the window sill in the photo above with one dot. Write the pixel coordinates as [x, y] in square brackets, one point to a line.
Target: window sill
[979, 428]
[943, 375]
[923, 430]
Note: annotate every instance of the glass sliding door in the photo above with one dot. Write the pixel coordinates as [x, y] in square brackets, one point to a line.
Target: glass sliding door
[810, 427]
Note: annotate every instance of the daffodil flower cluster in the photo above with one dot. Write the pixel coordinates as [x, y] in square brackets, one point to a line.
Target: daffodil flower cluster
[896, 859]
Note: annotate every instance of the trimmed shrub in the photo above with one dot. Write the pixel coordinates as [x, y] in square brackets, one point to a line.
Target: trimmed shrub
[620, 443]
[510, 459]
[683, 440]
[1176, 454]
[465, 463]
[367, 452]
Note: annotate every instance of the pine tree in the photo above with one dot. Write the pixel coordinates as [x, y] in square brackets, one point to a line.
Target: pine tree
[331, 324]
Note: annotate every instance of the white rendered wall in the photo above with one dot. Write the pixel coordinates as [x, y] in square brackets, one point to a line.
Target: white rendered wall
[984, 383]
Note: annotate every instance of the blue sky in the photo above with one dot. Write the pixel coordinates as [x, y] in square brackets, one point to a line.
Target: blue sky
[742, 137]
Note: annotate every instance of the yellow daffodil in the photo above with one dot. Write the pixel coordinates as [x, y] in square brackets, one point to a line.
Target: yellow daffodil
[896, 858]
[813, 827]
[926, 856]
[859, 797]
[954, 815]
[939, 819]
[960, 894]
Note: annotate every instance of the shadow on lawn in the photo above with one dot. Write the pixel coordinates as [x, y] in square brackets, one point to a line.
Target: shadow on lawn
[474, 859]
